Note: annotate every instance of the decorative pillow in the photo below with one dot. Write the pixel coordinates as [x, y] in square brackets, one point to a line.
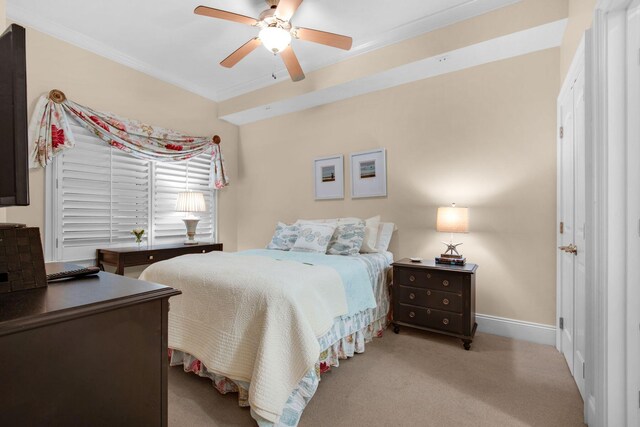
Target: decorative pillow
[371, 235]
[284, 237]
[314, 237]
[347, 239]
[385, 231]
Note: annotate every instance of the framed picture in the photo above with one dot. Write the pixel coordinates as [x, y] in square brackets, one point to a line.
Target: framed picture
[329, 177]
[369, 174]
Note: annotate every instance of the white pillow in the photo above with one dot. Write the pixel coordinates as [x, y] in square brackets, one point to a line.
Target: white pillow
[385, 231]
[370, 235]
[284, 237]
[314, 237]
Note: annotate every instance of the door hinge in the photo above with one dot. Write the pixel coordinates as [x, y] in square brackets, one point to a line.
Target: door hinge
[561, 132]
[583, 368]
[56, 242]
[56, 182]
[561, 227]
[562, 323]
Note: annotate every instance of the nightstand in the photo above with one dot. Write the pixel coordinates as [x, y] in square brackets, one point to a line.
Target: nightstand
[436, 298]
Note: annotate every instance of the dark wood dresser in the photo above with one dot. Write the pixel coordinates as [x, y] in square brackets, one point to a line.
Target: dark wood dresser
[148, 254]
[90, 351]
[435, 297]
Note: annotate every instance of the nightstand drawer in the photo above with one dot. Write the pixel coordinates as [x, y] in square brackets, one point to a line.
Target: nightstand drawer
[410, 314]
[445, 321]
[413, 296]
[444, 300]
[141, 258]
[428, 279]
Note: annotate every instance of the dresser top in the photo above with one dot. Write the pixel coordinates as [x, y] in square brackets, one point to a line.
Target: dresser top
[74, 298]
[430, 264]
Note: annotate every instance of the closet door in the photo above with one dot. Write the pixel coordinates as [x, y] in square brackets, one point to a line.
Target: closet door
[571, 216]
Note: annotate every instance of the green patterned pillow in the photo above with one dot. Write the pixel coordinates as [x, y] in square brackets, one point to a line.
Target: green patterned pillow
[284, 237]
[347, 239]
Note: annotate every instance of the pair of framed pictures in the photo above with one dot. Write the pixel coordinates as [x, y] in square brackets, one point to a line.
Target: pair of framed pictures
[368, 175]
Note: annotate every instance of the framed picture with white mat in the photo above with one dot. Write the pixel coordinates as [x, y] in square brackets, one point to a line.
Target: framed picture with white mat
[329, 177]
[369, 174]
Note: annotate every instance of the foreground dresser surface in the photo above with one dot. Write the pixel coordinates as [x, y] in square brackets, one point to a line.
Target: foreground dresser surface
[435, 297]
[90, 351]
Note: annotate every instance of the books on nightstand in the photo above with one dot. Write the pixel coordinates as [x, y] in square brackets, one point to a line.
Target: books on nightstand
[450, 261]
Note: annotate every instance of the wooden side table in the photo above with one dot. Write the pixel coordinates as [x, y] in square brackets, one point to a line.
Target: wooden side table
[132, 256]
[435, 297]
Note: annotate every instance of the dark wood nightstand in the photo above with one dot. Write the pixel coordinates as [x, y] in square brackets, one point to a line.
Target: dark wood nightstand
[435, 297]
[132, 256]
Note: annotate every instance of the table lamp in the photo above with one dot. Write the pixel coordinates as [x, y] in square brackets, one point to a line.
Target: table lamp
[190, 201]
[452, 220]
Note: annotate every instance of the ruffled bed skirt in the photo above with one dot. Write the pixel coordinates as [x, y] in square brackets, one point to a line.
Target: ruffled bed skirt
[338, 345]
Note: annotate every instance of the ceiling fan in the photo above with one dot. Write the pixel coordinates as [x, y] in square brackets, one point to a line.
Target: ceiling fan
[275, 34]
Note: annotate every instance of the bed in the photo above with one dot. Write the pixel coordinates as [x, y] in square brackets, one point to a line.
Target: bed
[267, 323]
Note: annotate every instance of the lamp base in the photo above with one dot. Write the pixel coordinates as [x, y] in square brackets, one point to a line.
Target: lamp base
[191, 224]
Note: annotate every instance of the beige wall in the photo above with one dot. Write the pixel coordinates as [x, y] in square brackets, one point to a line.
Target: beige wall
[482, 137]
[105, 85]
[580, 17]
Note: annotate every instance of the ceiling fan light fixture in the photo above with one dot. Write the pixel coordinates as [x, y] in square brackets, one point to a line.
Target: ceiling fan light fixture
[275, 39]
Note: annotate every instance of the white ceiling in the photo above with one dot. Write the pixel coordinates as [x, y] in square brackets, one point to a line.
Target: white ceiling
[165, 39]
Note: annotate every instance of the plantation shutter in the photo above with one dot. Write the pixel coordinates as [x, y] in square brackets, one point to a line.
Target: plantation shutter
[171, 179]
[102, 194]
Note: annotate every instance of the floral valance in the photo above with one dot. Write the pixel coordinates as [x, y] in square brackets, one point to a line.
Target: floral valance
[50, 134]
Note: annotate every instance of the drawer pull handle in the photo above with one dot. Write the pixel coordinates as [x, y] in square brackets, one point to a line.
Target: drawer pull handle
[412, 296]
[428, 275]
[428, 292]
[445, 321]
[445, 301]
[428, 311]
[203, 251]
[150, 256]
[445, 283]
[412, 314]
[412, 278]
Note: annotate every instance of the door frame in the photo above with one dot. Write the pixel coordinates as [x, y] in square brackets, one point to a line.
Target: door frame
[612, 393]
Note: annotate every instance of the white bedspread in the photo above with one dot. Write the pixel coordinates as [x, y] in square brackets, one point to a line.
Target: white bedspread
[251, 318]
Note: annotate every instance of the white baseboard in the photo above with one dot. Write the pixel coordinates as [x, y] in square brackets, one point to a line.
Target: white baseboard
[518, 329]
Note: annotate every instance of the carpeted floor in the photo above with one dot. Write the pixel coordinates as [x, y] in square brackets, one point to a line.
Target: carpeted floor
[414, 379]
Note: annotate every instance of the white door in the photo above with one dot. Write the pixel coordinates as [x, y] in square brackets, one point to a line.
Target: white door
[579, 240]
[571, 233]
[566, 230]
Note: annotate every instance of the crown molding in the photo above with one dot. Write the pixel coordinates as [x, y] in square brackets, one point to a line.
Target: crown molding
[395, 35]
[21, 16]
[516, 44]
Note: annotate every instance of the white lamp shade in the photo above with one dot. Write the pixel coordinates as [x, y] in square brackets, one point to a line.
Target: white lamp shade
[453, 220]
[275, 39]
[190, 201]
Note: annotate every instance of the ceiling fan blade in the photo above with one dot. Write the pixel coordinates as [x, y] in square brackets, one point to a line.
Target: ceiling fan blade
[223, 14]
[322, 37]
[292, 64]
[286, 9]
[241, 52]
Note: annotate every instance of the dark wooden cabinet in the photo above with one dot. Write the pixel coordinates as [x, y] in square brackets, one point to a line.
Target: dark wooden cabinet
[89, 351]
[435, 297]
[148, 254]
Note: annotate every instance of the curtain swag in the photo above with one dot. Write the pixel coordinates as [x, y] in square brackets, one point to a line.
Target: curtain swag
[50, 134]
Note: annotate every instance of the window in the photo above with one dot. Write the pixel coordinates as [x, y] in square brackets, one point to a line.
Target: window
[97, 195]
